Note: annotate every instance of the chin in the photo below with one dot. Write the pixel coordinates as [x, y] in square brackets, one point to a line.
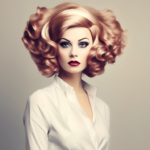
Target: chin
[73, 70]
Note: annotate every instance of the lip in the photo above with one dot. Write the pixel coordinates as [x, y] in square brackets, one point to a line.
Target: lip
[74, 63]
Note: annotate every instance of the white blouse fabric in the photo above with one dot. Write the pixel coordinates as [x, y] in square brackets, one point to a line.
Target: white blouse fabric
[54, 119]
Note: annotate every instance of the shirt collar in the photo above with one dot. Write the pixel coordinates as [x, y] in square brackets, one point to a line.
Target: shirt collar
[90, 89]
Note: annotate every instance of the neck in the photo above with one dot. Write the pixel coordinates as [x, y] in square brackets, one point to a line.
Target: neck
[73, 79]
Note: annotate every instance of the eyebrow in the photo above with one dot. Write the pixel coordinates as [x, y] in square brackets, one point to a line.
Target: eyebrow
[78, 40]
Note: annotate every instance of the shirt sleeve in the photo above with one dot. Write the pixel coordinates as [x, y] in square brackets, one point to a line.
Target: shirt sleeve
[36, 123]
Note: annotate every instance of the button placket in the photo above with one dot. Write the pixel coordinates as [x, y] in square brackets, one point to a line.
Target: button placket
[72, 96]
[92, 133]
[90, 126]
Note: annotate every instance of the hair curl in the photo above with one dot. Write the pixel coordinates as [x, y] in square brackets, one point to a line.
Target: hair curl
[45, 28]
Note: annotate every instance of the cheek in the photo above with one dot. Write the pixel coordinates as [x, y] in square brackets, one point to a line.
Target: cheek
[62, 57]
[85, 55]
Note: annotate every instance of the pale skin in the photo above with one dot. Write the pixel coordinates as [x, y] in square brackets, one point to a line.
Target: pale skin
[75, 45]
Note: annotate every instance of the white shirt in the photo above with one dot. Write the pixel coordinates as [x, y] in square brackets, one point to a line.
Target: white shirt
[54, 119]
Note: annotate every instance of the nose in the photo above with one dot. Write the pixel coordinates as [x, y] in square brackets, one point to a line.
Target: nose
[73, 52]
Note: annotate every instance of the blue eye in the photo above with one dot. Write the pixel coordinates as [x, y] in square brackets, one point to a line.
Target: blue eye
[65, 44]
[83, 44]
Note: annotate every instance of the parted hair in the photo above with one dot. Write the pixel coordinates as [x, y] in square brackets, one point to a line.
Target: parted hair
[45, 28]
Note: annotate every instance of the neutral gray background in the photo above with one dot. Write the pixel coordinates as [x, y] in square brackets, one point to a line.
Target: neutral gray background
[125, 85]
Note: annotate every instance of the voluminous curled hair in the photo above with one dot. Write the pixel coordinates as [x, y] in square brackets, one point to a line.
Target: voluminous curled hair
[45, 28]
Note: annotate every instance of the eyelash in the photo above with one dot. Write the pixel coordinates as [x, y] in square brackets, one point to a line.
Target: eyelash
[67, 43]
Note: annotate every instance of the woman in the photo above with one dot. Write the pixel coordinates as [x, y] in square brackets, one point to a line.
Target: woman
[68, 41]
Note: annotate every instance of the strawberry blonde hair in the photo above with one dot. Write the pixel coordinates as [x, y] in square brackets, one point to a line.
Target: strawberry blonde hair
[45, 28]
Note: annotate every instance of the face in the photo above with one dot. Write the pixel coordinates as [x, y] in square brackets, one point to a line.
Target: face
[74, 45]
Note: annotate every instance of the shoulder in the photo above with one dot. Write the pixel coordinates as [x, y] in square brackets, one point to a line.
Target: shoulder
[39, 97]
[102, 107]
[102, 104]
[36, 109]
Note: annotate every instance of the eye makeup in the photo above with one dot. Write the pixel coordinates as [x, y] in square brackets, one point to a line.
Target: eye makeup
[83, 44]
[66, 44]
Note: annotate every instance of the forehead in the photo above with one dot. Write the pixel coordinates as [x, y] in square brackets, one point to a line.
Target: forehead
[77, 33]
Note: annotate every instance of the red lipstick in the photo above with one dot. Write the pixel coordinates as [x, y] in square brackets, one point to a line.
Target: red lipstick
[74, 63]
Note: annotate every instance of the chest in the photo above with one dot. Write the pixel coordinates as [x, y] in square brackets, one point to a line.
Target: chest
[84, 102]
[74, 126]
[70, 125]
